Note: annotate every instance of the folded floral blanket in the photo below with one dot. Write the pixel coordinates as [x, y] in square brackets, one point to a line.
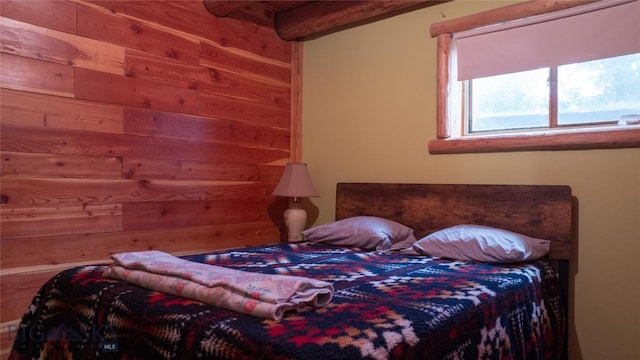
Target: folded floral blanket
[257, 294]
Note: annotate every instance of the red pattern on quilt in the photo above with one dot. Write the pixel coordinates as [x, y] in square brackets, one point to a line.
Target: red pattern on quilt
[384, 307]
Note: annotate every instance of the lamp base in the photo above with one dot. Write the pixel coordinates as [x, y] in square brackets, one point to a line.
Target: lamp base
[295, 217]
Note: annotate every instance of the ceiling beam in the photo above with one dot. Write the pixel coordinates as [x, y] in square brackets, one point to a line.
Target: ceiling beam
[302, 20]
[319, 17]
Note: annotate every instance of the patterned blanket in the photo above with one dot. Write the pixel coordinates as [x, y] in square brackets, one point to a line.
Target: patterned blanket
[385, 306]
[263, 295]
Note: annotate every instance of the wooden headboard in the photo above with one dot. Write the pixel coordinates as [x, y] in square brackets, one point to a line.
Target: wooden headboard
[542, 211]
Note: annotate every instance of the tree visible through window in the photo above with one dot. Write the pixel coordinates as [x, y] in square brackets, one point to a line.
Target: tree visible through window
[596, 92]
[599, 91]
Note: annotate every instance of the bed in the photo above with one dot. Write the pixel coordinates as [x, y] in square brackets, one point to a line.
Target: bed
[385, 304]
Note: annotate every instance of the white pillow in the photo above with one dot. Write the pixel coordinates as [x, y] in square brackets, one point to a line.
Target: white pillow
[365, 232]
[481, 243]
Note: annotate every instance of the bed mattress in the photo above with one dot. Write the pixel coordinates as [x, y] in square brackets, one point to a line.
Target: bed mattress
[385, 306]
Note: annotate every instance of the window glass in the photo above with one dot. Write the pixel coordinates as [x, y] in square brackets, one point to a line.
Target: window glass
[599, 91]
[509, 102]
[588, 93]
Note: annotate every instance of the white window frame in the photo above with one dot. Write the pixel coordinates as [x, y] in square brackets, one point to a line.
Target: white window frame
[450, 137]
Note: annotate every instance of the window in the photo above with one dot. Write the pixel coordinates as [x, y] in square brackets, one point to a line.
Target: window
[592, 93]
[569, 79]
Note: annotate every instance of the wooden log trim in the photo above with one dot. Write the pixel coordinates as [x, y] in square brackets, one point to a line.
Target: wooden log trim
[320, 16]
[305, 20]
[587, 139]
[442, 79]
[502, 14]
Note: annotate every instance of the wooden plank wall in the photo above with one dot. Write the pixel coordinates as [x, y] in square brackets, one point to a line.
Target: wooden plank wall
[132, 125]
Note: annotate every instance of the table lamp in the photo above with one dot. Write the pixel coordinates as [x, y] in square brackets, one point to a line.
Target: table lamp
[295, 183]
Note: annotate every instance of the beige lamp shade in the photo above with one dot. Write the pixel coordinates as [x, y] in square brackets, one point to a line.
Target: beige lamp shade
[295, 182]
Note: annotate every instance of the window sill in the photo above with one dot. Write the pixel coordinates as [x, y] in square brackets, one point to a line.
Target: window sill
[614, 137]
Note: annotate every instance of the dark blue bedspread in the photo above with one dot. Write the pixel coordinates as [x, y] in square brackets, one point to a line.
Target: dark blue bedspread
[385, 306]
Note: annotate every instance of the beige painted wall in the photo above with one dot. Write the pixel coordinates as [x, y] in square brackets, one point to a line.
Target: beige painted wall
[369, 111]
